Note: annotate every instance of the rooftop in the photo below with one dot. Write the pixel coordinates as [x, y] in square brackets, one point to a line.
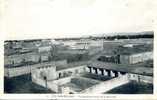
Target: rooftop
[139, 68]
[78, 84]
[31, 64]
[135, 49]
[120, 46]
[71, 65]
[73, 51]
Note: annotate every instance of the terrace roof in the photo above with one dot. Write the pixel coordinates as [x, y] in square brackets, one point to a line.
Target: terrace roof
[71, 65]
[139, 68]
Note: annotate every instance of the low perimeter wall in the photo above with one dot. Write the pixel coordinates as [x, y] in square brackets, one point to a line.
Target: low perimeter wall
[53, 85]
[17, 71]
[107, 85]
[12, 72]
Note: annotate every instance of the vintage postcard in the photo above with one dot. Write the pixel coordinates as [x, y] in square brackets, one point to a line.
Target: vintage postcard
[78, 49]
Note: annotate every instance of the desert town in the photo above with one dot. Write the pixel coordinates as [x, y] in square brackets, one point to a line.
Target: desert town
[102, 65]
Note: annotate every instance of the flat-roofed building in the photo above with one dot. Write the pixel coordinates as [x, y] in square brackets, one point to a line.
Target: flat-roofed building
[135, 54]
[44, 48]
[20, 59]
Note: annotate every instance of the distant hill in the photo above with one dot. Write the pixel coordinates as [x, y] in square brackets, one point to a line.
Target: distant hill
[135, 35]
[107, 36]
[112, 36]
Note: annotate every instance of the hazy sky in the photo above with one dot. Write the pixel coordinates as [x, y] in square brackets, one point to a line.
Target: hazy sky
[69, 18]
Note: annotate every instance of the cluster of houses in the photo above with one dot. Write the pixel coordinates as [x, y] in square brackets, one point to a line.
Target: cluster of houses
[121, 61]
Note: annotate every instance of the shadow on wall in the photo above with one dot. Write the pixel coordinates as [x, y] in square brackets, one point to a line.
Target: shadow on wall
[23, 84]
[133, 88]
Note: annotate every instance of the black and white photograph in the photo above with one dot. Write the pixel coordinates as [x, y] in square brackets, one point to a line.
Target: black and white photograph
[78, 49]
[117, 64]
